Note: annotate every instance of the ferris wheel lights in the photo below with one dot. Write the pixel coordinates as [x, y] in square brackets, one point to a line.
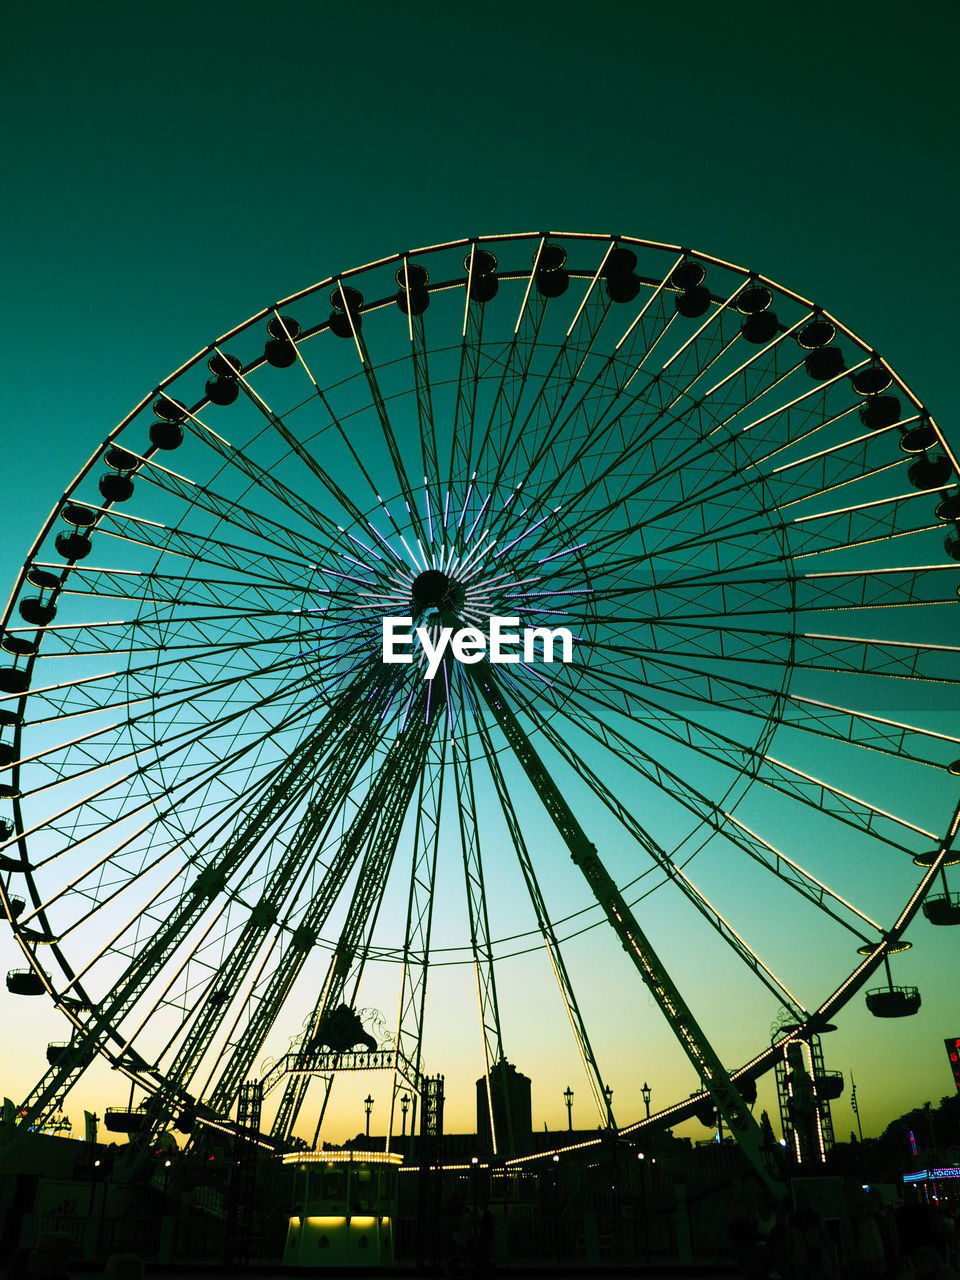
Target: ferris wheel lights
[816, 333]
[19, 646]
[872, 380]
[928, 859]
[121, 459]
[688, 275]
[891, 949]
[753, 300]
[170, 410]
[919, 438]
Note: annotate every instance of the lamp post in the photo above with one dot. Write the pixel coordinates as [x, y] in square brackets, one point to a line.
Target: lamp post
[568, 1099]
[608, 1094]
[404, 1108]
[368, 1107]
[645, 1093]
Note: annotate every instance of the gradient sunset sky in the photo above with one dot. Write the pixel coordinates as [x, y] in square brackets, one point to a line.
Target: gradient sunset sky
[171, 168]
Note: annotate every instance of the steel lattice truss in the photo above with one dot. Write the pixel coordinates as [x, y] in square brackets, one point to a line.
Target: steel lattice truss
[223, 811]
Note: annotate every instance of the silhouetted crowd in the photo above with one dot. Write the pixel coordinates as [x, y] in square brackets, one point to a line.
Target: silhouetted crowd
[869, 1240]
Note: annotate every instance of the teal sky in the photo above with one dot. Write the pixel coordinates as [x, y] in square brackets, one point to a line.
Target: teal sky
[170, 169]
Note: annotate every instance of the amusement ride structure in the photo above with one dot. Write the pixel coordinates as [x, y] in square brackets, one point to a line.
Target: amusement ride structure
[224, 813]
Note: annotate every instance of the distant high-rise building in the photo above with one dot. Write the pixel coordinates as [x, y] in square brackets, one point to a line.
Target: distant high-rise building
[512, 1115]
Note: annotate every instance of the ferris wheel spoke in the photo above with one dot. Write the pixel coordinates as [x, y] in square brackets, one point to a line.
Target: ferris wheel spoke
[175, 592]
[300, 847]
[770, 771]
[203, 623]
[841, 724]
[420, 371]
[398, 773]
[808, 650]
[710, 912]
[258, 567]
[724, 823]
[798, 419]
[562, 381]
[388, 434]
[815, 592]
[265, 480]
[632, 443]
[227, 510]
[502, 432]
[563, 389]
[815, 476]
[101, 1020]
[187, 789]
[167, 698]
[545, 925]
[690, 1036]
[418, 931]
[228, 815]
[460, 467]
[299, 449]
[502, 1140]
[841, 529]
[345, 970]
[660, 471]
[228, 812]
[207, 730]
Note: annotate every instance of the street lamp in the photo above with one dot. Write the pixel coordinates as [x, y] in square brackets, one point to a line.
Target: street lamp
[568, 1099]
[368, 1107]
[645, 1093]
[608, 1094]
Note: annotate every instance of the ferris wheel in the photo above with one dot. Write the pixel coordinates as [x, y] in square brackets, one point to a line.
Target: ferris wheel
[539, 600]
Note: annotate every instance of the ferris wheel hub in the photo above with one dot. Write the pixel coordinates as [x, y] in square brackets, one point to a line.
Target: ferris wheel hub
[433, 589]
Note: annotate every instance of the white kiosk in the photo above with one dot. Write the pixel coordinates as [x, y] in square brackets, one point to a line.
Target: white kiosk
[344, 1206]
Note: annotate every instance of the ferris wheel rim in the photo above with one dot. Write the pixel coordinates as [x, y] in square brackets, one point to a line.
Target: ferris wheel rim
[860, 974]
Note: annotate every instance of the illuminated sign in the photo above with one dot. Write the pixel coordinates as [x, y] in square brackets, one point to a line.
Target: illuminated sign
[933, 1175]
